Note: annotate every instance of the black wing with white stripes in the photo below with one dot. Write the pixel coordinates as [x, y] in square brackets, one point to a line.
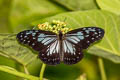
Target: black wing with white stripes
[45, 42]
[77, 40]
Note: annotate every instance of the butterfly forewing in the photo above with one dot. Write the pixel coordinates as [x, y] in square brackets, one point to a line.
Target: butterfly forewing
[77, 40]
[45, 42]
[84, 36]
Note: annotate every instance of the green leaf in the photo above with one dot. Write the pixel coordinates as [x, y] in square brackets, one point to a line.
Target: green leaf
[4, 16]
[24, 12]
[82, 77]
[78, 4]
[74, 71]
[10, 48]
[15, 72]
[110, 5]
[7, 62]
[109, 46]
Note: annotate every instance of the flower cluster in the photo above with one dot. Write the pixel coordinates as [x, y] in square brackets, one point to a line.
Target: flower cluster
[55, 26]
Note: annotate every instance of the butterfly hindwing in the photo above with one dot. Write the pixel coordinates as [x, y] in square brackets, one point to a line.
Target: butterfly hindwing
[43, 42]
[77, 40]
[72, 53]
[51, 54]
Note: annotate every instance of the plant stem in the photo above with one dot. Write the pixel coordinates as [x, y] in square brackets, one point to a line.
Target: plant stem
[20, 74]
[42, 71]
[26, 70]
[101, 67]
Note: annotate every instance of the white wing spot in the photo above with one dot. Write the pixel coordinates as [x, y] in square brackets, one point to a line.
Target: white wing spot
[93, 38]
[95, 33]
[33, 37]
[87, 36]
[42, 54]
[33, 44]
[48, 54]
[25, 36]
[84, 29]
[28, 41]
[88, 41]
[77, 57]
[21, 36]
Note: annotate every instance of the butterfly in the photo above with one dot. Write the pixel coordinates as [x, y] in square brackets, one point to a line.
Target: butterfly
[55, 48]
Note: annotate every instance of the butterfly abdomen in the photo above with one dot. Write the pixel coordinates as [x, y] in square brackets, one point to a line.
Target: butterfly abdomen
[60, 39]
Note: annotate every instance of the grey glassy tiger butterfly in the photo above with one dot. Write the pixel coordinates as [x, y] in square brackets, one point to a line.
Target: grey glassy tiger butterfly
[55, 48]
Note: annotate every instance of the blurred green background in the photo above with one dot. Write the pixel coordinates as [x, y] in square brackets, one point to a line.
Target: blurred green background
[18, 15]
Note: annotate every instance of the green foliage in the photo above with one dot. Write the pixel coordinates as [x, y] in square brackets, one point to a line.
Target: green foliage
[10, 48]
[78, 4]
[24, 12]
[4, 15]
[17, 15]
[110, 5]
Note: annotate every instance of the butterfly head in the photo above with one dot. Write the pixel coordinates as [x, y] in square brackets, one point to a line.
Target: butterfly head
[60, 34]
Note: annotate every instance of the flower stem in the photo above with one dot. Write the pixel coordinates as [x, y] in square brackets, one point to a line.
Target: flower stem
[20, 74]
[42, 71]
[101, 67]
[25, 69]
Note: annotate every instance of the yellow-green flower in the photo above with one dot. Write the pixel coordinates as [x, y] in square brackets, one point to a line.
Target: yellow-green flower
[55, 26]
